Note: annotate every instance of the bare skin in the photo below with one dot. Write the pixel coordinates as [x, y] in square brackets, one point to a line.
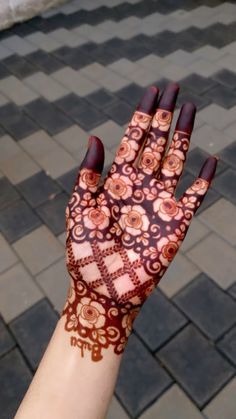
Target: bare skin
[121, 237]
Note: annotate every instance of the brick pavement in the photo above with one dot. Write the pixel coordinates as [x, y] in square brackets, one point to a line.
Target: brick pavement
[81, 69]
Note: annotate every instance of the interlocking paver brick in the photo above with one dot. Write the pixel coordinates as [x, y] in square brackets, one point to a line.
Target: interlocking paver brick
[55, 274]
[19, 45]
[74, 81]
[17, 220]
[116, 411]
[17, 91]
[216, 258]
[200, 376]
[215, 312]
[217, 116]
[155, 333]
[44, 61]
[225, 185]
[228, 154]
[17, 292]
[223, 405]
[15, 378]
[110, 133]
[211, 140]
[197, 231]
[45, 86]
[179, 274]
[48, 116]
[53, 213]
[74, 140]
[218, 217]
[173, 401]
[33, 329]
[19, 66]
[141, 379]
[38, 189]
[42, 41]
[38, 249]
[227, 345]
[67, 181]
[49, 155]
[6, 340]
[8, 193]
[7, 256]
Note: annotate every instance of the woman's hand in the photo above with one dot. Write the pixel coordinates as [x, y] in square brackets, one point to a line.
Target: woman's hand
[122, 235]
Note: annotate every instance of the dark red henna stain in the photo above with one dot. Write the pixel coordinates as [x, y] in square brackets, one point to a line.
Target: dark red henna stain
[94, 158]
[121, 239]
[173, 163]
[148, 101]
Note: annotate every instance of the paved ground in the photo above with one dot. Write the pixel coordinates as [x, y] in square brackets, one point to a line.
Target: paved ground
[81, 69]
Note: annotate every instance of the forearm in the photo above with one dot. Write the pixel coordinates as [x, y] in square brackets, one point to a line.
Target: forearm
[69, 385]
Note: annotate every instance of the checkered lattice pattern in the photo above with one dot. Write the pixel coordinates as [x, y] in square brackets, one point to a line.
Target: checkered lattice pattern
[112, 270]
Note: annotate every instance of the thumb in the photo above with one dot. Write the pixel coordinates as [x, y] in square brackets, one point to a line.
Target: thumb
[92, 165]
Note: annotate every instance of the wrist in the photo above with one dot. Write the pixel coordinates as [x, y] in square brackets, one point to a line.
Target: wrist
[96, 322]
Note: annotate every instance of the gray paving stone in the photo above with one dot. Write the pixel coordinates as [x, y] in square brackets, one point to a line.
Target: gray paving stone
[216, 258]
[38, 249]
[227, 345]
[179, 274]
[33, 329]
[7, 256]
[215, 311]
[196, 365]
[55, 282]
[211, 139]
[45, 86]
[19, 45]
[116, 411]
[173, 401]
[110, 133]
[17, 91]
[141, 379]
[15, 378]
[17, 292]
[217, 217]
[197, 231]
[6, 340]
[223, 405]
[156, 332]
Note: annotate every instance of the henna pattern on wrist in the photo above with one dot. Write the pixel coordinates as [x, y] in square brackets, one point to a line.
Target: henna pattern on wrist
[122, 236]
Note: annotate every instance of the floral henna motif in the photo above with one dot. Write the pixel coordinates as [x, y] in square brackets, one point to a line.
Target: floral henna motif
[122, 236]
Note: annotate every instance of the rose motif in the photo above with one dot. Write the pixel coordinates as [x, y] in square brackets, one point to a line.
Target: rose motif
[119, 186]
[168, 247]
[88, 179]
[126, 151]
[128, 319]
[200, 186]
[90, 313]
[148, 162]
[141, 119]
[173, 163]
[134, 219]
[96, 218]
[162, 120]
[167, 207]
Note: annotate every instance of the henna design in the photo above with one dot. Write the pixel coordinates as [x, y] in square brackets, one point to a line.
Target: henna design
[122, 236]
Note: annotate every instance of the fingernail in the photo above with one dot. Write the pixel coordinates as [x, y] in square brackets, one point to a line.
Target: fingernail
[148, 101]
[169, 96]
[207, 171]
[186, 118]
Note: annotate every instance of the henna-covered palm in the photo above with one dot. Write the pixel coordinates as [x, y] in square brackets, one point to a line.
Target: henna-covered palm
[122, 235]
